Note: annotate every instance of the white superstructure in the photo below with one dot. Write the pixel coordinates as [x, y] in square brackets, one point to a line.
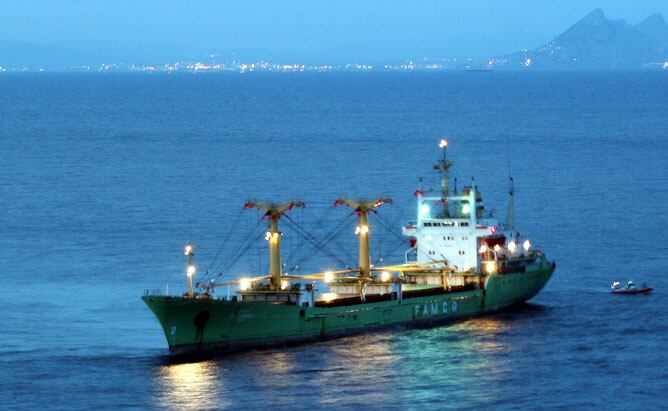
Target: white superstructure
[452, 225]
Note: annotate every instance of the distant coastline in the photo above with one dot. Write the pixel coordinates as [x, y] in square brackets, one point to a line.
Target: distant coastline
[286, 69]
[594, 42]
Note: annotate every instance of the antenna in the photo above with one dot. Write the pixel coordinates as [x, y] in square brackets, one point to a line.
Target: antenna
[510, 218]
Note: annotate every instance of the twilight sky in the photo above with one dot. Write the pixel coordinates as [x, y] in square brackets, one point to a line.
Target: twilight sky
[326, 31]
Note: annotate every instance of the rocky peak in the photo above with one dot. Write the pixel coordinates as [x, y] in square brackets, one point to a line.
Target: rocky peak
[595, 18]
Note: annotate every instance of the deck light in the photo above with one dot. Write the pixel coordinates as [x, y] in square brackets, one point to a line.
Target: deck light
[189, 249]
[490, 267]
[466, 209]
[327, 297]
[385, 276]
[512, 246]
[244, 284]
[361, 230]
[191, 270]
[483, 249]
[497, 248]
[284, 284]
[424, 210]
[329, 277]
[526, 245]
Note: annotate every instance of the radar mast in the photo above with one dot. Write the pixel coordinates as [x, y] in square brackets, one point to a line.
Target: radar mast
[443, 165]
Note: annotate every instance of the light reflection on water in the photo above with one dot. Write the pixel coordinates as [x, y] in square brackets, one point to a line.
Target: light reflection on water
[483, 333]
[189, 386]
[445, 365]
[280, 362]
[448, 365]
[362, 365]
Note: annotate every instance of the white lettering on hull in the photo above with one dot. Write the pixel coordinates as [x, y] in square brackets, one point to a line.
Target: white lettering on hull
[431, 309]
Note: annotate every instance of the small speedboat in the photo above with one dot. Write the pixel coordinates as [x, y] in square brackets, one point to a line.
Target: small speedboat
[629, 288]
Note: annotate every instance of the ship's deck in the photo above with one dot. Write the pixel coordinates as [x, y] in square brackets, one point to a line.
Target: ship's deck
[374, 298]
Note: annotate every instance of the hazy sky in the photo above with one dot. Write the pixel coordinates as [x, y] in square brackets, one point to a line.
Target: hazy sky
[308, 29]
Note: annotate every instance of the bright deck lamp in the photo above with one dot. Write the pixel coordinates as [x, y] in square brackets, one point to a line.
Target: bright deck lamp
[364, 229]
[244, 284]
[327, 297]
[512, 246]
[191, 268]
[490, 267]
[424, 210]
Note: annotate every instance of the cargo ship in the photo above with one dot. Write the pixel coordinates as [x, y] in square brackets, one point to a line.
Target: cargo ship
[459, 263]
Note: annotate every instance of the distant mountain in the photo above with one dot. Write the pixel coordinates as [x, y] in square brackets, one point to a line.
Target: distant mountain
[598, 42]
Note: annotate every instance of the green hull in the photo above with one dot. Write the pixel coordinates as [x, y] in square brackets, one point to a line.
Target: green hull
[199, 325]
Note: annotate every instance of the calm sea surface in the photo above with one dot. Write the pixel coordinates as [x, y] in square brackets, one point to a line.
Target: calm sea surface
[104, 178]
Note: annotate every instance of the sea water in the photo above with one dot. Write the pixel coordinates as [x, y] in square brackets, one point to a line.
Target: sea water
[105, 177]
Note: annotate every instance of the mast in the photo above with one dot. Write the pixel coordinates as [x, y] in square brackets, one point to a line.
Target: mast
[189, 252]
[510, 218]
[443, 165]
[362, 230]
[274, 212]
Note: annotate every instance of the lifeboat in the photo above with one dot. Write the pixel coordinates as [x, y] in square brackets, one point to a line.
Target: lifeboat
[629, 288]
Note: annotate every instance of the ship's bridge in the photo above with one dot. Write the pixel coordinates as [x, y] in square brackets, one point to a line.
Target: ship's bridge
[450, 228]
